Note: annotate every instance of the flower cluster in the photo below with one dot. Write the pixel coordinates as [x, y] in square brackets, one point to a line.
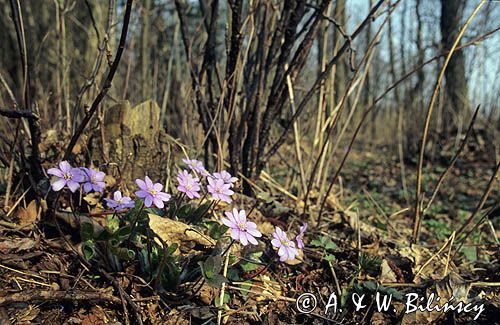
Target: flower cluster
[71, 177]
[219, 185]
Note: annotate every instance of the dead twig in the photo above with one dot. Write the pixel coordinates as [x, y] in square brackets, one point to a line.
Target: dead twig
[57, 296]
[18, 113]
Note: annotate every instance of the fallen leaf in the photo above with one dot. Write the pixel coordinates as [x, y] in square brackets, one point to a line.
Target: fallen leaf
[27, 217]
[177, 232]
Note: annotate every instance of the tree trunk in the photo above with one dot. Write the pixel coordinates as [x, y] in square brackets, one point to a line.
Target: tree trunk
[456, 84]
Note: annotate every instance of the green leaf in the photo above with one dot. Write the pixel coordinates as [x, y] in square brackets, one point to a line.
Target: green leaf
[184, 211]
[211, 267]
[470, 253]
[198, 214]
[330, 244]
[123, 233]
[216, 281]
[316, 243]
[370, 285]
[113, 223]
[217, 231]
[324, 242]
[87, 231]
[265, 196]
[88, 250]
[225, 300]
[329, 257]
[172, 248]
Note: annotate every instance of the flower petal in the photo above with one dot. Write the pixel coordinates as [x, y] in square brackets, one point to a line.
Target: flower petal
[141, 184]
[148, 201]
[59, 184]
[158, 202]
[243, 239]
[235, 233]
[251, 239]
[55, 171]
[64, 166]
[228, 223]
[73, 186]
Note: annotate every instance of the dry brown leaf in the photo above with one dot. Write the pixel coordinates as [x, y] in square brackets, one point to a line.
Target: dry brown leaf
[16, 245]
[387, 275]
[27, 217]
[110, 181]
[172, 231]
[92, 198]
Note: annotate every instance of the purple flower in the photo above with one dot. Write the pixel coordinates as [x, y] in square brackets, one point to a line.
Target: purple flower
[188, 184]
[300, 243]
[286, 247]
[225, 177]
[241, 229]
[119, 202]
[151, 193]
[94, 180]
[196, 165]
[219, 189]
[67, 176]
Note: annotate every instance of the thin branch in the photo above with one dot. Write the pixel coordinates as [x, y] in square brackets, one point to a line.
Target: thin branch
[18, 113]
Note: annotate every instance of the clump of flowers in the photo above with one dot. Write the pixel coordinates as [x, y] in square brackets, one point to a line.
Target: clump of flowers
[94, 180]
[286, 248]
[242, 230]
[188, 184]
[66, 176]
[151, 193]
[225, 177]
[192, 183]
[219, 190]
[119, 202]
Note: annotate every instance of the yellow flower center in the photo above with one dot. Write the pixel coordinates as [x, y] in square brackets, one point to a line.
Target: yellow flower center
[242, 226]
[284, 242]
[67, 175]
[152, 191]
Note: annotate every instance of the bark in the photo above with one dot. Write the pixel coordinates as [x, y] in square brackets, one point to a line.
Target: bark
[456, 83]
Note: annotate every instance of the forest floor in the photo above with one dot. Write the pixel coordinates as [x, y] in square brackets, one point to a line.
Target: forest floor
[362, 247]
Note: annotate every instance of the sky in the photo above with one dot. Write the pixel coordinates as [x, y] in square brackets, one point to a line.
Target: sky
[482, 61]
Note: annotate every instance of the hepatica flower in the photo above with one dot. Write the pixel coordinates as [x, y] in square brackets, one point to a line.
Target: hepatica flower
[225, 177]
[119, 202]
[298, 238]
[242, 230]
[196, 165]
[219, 189]
[66, 176]
[94, 180]
[188, 184]
[286, 248]
[151, 193]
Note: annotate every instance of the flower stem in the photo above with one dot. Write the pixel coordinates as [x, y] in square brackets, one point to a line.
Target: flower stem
[134, 223]
[228, 247]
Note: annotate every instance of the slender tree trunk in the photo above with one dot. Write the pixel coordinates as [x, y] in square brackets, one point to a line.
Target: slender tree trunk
[456, 83]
